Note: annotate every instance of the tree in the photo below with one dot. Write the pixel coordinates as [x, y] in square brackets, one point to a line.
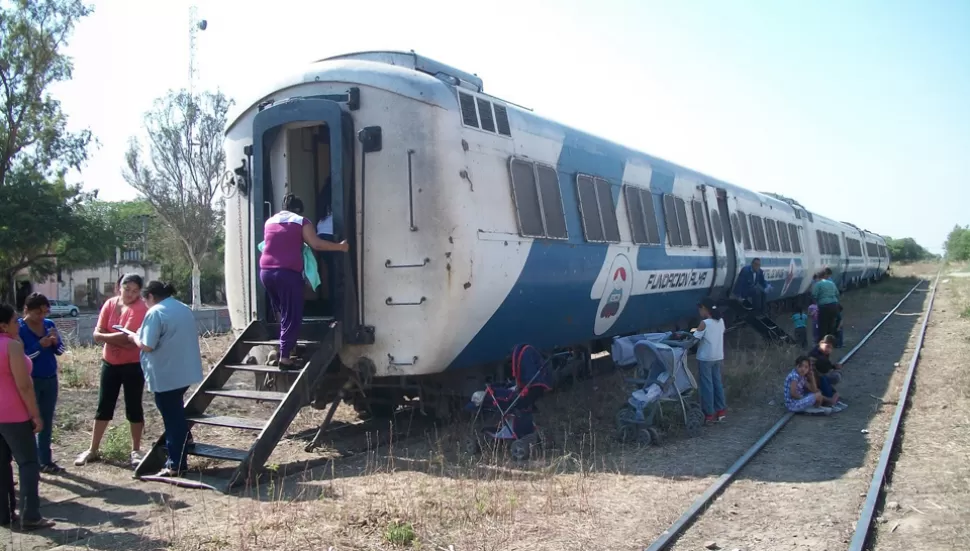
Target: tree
[41, 214]
[907, 250]
[957, 244]
[181, 172]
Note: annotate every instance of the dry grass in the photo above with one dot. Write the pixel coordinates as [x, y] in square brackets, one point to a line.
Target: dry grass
[425, 493]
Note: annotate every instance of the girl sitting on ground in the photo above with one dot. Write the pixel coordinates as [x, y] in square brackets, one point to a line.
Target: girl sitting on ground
[798, 397]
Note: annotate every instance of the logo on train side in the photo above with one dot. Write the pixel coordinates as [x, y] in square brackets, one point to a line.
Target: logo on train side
[789, 278]
[616, 293]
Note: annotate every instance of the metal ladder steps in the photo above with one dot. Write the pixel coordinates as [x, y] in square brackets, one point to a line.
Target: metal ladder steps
[276, 342]
[217, 452]
[262, 395]
[228, 422]
[257, 368]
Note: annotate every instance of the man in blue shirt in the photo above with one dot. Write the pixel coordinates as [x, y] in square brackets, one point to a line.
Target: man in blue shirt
[751, 286]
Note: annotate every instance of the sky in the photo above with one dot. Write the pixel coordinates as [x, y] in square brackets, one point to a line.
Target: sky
[858, 109]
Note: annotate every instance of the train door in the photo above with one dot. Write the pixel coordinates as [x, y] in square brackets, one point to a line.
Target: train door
[317, 138]
[725, 249]
[844, 262]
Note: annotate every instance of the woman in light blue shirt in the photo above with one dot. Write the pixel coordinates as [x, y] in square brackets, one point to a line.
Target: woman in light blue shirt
[172, 362]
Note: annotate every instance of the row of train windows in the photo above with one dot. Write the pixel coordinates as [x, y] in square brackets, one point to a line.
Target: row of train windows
[876, 250]
[538, 202]
[768, 235]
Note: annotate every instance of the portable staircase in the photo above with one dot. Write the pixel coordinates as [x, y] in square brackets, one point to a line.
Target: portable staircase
[768, 328]
[293, 389]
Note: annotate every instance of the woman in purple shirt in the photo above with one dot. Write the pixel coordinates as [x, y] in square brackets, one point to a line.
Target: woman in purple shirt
[281, 268]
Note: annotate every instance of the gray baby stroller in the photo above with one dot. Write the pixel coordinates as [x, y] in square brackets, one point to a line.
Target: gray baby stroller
[661, 376]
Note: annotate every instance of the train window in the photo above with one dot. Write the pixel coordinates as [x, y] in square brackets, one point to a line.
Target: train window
[551, 196]
[796, 241]
[597, 209]
[589, 209]
[700, 224]
[783, 238]
[772, 233]
[736, 227]
[822, 249]
[716, 226]
[872, 250]
[853, 246]
[502, 120]
[682, 220]
[743, 218]
[468, 114]
[611, 228]
[643, 217]
[670, 221]
[758, 233]
[538, 202]
[485, 114]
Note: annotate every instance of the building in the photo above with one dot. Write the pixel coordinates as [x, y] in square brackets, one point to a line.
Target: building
[88, 288]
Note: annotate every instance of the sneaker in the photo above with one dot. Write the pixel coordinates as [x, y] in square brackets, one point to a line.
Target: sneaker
[842, 404]
[38, 524]
[720, 416]
[168, 473]
[52, 468]
[708, 419]
[136, 456]
[85, 457]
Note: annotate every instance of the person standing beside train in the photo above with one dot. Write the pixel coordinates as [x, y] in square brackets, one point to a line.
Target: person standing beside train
[752, 286]
[281, 269]
[710, 358]
[826, 296]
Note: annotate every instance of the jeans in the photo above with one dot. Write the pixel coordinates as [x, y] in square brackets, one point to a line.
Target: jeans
[46, 392]
[171, 406]
[712, 391]
[17, 442]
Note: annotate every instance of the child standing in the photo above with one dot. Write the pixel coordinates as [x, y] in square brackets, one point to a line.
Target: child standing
[710, 357]
[800, 319]
[798, 398]
[813, 313]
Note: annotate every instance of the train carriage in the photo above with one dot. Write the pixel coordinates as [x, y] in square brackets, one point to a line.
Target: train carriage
[475, 224]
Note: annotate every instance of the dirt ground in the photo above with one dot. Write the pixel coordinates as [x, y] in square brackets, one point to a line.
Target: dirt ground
[927, 504]
[588, 492]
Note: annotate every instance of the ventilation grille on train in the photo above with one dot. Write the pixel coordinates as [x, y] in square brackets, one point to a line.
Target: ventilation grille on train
[482, 114]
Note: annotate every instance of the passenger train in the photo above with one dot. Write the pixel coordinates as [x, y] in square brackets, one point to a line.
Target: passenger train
[475, 224]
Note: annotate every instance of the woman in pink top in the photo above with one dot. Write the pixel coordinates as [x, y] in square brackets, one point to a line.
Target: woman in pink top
[281, 268]
[120, 367]
[19, 420]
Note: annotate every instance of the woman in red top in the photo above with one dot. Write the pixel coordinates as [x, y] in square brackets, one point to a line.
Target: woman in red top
[120, 367]
[20, 420]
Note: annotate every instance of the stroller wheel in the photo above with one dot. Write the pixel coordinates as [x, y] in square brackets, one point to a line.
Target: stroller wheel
[520, 450]
[644, 437]
[626, 433]
[471, 445]
[695, 420]
[655, 436]
[625, 416]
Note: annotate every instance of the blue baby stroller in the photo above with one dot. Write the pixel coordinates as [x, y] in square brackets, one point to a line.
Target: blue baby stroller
[661, 376]
[505, 413]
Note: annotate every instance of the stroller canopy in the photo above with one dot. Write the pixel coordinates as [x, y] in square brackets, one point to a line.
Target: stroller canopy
[529, 370]
[654, 358]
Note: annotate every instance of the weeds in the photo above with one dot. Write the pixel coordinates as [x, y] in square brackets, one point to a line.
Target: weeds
[116, 446]
[399, 533]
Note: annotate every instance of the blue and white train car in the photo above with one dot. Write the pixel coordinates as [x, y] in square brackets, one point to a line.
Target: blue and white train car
[475, 224]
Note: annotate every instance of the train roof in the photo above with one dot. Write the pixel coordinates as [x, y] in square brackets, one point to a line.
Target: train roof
[430, 81]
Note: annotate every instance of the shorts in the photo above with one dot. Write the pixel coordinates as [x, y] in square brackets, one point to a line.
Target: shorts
[114, 378]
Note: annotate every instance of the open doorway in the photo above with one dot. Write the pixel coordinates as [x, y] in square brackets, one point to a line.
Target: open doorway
[308, 177]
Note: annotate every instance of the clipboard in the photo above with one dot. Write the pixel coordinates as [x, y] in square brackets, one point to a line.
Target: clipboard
[124, 330]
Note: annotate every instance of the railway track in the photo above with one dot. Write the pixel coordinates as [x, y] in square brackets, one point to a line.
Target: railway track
[863, 528]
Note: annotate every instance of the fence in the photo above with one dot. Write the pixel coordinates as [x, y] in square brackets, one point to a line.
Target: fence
[80, 331]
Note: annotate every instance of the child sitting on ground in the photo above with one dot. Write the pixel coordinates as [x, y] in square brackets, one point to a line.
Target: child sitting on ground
[798, 398]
